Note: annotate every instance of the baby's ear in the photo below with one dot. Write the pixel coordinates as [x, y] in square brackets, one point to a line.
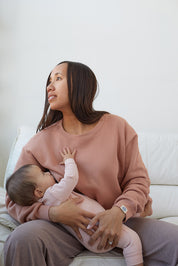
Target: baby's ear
[38, 193]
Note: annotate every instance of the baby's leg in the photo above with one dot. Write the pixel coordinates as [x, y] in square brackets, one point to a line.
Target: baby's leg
[85, 239]
[130, 242]
[94, 207]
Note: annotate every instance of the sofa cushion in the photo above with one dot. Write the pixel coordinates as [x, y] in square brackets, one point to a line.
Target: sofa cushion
[160, 155]
[5, 219]
[173, 220]
[165, 201]
[23, 135]
[87, 258]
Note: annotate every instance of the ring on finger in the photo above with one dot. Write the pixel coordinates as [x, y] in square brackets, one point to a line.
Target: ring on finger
[110, 243]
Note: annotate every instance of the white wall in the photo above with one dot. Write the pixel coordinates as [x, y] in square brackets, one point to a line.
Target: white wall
[130, 45]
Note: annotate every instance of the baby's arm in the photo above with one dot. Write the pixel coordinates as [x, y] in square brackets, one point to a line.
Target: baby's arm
[62, 190]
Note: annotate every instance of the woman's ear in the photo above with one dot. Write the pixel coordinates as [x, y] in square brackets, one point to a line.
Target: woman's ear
[38, 193]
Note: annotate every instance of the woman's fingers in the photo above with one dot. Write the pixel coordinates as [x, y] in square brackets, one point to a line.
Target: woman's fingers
[76, 230]
[83, 227]
[95, 236]
[103, 243]
[93, 222]
[115, 241]
[106, 240]
[112, 242]
[82, 217]
[109, 228]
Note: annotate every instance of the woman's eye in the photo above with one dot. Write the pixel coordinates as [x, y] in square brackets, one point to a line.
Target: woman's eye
[58, 78]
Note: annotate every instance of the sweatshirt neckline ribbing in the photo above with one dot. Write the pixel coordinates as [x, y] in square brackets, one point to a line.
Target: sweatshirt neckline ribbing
[92, 131]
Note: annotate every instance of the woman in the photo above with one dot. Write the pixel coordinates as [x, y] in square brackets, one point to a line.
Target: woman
[115, 176]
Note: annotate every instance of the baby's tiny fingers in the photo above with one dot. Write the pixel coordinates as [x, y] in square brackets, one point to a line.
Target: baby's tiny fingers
[68, 150]
[61, 153]
[73, 153]
[65, 151]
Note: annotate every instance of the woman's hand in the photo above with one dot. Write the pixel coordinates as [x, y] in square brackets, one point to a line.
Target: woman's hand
[70, 214]
[109, 228]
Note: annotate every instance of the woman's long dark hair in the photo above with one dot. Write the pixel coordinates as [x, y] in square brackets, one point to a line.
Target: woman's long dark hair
[82, 88]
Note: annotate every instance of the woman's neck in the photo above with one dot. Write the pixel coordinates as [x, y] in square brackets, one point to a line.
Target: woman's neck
[73, 126]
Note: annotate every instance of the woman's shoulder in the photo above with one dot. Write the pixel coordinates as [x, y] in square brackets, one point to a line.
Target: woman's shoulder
[120, 124]
[43, 135]
[50, 129]
[115, 119]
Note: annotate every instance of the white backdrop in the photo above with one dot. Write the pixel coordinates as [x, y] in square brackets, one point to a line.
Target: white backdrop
[131, 46]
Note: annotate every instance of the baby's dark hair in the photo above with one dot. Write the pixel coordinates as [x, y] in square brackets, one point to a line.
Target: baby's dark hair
[20, 186]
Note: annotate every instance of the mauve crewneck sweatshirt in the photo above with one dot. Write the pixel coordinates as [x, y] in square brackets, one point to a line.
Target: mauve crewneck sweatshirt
[110, 166]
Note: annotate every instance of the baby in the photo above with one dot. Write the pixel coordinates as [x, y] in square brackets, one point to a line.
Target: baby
[30, 184]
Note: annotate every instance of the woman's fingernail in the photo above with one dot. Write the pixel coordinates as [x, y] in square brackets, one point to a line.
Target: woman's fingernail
[89, 226]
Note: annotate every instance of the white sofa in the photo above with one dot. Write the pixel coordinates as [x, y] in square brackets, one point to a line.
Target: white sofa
[160, 155]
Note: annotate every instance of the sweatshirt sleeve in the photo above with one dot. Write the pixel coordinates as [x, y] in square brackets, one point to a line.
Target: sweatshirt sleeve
[135, 183]
[61, 191]
[26, 213]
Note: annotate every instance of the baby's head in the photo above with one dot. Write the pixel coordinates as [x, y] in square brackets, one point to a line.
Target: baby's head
[28, 184]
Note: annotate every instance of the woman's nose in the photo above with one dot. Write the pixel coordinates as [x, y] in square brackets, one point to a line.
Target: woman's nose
[50, 87]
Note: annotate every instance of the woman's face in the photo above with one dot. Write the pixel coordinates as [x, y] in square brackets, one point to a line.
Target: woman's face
[58, 90]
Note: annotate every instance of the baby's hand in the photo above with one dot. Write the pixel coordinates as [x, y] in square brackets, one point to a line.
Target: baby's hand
[66, 154]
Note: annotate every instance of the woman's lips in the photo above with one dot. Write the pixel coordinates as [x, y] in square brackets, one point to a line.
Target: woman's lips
[50, 98]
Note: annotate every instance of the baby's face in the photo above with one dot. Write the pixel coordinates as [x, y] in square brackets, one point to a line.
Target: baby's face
[42, 179]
